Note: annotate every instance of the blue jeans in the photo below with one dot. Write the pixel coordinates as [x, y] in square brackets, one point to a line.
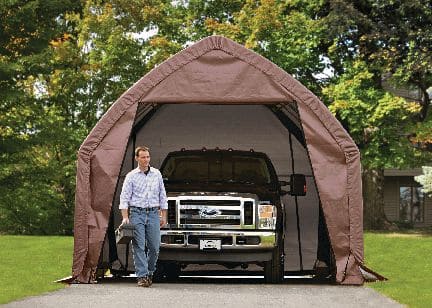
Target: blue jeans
[146, 236]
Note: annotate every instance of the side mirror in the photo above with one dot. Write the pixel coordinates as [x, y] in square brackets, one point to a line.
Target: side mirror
[298, 185]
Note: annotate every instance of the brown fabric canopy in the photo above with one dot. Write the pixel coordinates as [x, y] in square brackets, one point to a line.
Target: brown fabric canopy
[217, 70]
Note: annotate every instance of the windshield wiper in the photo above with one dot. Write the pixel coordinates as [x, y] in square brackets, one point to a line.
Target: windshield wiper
[183, 181]
[241, 182]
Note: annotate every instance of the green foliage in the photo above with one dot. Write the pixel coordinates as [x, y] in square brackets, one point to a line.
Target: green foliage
[37, 177]
[403, 258]
[378, 121]
[38, 187]
[295, 46]
[37, 184]
[31, 264]
[426, 179]
[286, 32]
[404, 26]
[204, 17]
[393, 38]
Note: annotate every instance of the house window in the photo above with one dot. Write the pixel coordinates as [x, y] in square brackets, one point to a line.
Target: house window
[411, 204]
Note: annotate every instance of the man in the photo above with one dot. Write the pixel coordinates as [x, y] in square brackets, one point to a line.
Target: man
[143, 202]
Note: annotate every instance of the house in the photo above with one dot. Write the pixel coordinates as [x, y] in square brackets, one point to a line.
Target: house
[404, 201]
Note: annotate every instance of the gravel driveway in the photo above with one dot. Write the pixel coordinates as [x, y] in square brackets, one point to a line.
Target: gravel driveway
[194, 292]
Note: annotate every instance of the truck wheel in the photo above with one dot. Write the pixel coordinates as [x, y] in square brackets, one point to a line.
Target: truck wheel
[273, 269]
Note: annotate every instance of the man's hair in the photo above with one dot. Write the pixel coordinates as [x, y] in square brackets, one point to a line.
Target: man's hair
[141, 148]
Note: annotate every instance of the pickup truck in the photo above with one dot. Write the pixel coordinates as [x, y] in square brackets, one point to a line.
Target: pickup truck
[224, 207]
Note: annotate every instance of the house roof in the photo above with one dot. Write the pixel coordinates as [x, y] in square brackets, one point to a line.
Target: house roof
[403, 172]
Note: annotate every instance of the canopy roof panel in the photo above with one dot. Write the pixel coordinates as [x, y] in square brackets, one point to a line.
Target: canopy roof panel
[217, 77]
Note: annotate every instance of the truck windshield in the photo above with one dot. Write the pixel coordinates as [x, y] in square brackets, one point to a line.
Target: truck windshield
[216, 168]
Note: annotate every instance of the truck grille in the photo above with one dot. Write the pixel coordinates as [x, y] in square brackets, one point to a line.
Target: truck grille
[248, 212]
[219, 212]
[193, 212]
[196, 221]
[172, 216]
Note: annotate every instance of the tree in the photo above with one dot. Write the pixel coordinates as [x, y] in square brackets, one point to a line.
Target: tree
[426, 179]
[378, 122]
[384, 40]
[31, 200]
[62, 66]
[286, 32]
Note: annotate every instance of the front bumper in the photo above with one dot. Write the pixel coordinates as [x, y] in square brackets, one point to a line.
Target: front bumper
[236, 246]
[230, 240]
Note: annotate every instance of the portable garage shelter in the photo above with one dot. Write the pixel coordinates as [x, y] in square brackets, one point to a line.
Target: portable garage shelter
[219, 82]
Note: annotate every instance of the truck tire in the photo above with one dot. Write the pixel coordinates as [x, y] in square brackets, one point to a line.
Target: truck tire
[273, 268]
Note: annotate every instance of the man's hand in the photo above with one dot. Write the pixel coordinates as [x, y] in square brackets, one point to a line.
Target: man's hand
[125, 215]
[124, 221]
[162, 218]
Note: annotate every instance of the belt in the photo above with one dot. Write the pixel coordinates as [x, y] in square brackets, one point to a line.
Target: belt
[146, 209]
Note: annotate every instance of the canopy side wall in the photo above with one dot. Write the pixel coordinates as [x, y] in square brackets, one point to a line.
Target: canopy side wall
[330, 163]
[99, 161]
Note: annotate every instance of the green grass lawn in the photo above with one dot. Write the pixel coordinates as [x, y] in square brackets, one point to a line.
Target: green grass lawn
[406, 260]
[30, 264]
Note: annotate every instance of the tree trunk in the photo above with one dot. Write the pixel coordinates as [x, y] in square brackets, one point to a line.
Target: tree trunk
[373, 200]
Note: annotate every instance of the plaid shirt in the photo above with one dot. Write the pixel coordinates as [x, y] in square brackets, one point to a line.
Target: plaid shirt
[143, 190]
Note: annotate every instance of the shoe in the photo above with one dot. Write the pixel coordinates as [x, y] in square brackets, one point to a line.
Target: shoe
[144, 282]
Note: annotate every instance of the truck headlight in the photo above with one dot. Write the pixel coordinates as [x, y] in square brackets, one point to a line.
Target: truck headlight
[266, 216]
